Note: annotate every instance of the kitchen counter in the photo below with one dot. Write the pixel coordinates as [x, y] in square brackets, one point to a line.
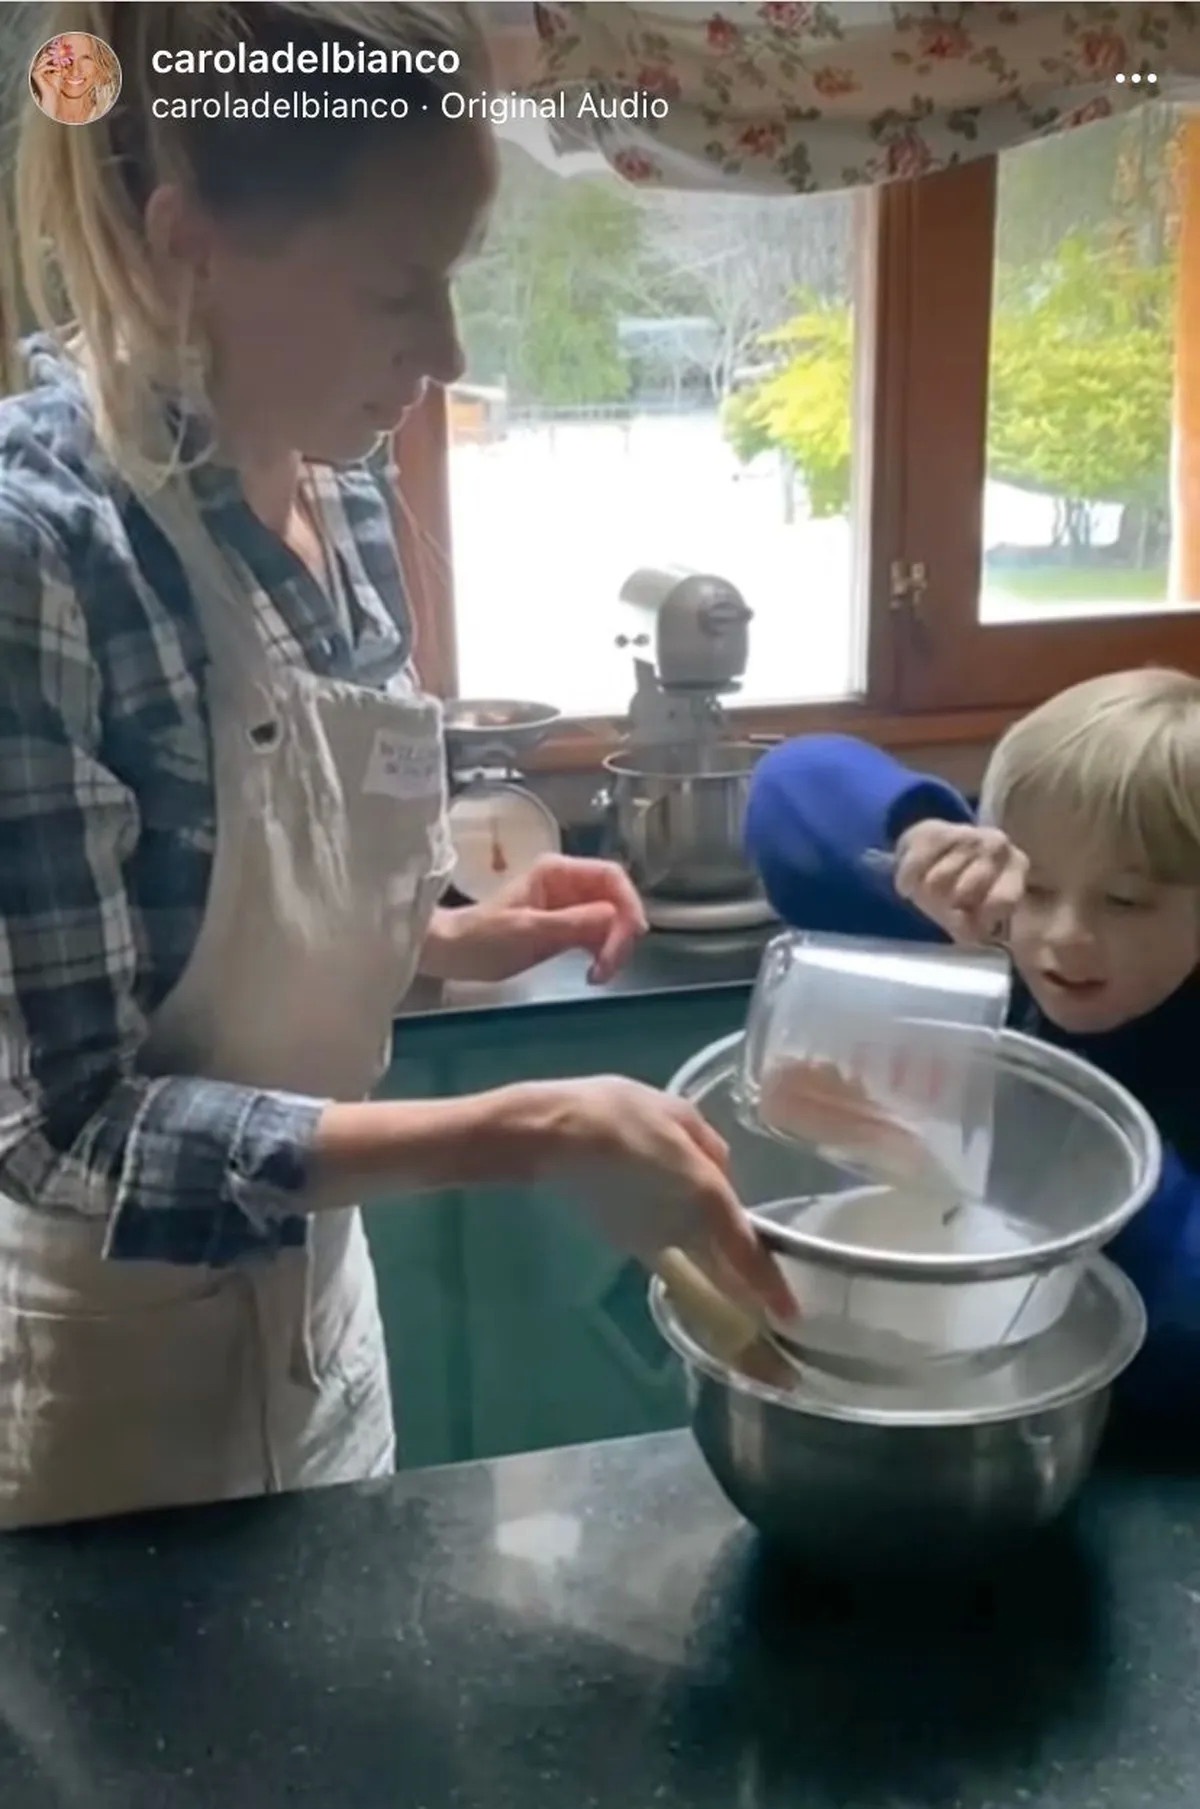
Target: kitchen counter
[662, 962]
[587, 1629]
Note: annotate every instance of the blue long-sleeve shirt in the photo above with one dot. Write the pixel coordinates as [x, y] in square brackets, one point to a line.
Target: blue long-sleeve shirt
[816, 806]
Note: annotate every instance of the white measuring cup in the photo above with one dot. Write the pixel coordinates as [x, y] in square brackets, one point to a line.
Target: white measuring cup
[850, 1049]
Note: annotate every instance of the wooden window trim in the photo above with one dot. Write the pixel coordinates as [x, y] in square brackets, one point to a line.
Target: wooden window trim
[945, 654]
[422, 455]
[935, 675]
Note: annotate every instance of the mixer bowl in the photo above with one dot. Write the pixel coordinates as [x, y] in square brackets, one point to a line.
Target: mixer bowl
[676, 819]
[847, 1478]
[881, 1283]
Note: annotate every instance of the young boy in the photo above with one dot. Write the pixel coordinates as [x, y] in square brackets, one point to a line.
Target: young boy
[1085, 859]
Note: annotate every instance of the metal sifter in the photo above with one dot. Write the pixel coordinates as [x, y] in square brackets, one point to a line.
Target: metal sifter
[883, 1277]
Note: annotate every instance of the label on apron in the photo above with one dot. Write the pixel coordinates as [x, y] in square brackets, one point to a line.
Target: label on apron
[403, 768]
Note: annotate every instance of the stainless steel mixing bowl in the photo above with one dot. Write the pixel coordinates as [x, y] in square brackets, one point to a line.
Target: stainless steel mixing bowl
[952, 1473]
[676, 819]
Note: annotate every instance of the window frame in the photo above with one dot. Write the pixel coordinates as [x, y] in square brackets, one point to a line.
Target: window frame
[935, 674]
[945, 653]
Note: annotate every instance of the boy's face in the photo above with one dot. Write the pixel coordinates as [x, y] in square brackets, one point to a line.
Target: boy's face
[1097, 946]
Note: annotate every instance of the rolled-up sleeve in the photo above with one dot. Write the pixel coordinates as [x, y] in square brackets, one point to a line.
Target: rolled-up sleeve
[180, 1169]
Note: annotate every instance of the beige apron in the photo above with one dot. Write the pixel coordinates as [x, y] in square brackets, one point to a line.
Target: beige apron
[133, 1385]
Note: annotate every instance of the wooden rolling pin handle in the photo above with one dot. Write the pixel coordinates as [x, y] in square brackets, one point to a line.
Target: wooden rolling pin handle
[730, 1333]
[728, 1330]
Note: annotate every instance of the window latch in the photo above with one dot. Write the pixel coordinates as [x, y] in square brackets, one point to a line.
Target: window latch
[909, 586]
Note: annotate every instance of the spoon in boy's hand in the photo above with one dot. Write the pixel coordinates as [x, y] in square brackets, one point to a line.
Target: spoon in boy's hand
[882, 860]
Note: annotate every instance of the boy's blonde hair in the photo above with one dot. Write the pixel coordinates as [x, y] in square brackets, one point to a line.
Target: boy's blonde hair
[1116, 760]
[82, 260]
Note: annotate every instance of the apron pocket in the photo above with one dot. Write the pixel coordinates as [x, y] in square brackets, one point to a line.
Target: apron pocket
[345, 1328]
[108, 1413]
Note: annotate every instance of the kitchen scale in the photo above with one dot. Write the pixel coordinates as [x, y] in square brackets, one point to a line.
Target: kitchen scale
[498, 827]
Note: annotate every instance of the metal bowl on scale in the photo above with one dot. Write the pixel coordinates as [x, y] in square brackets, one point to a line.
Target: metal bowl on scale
[493, 733]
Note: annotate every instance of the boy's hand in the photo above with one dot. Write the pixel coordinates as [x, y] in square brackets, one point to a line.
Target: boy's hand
[967, 879]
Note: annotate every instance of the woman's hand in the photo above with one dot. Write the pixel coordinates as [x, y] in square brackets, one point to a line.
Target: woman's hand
[968, 880]
[647, 1169]
[559, 904]
[41, 77]
[649, 1172]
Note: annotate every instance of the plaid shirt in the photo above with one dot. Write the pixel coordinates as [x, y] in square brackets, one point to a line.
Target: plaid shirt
[108, 827]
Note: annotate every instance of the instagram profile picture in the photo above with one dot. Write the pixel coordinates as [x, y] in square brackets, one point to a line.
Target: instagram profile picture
[75, 78]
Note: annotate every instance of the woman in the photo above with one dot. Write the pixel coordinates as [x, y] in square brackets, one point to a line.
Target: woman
[75, 78]
[222, 833]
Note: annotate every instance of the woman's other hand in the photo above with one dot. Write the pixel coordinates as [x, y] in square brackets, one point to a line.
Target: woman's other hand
[648, 1171]
[561, 903]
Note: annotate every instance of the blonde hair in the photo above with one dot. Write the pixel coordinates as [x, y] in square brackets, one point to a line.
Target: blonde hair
[1117, 761]
[84, 263]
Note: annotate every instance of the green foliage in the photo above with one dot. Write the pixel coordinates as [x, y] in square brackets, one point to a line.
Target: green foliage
[1082, 377]
[804, 408]
[1082, 356]
[539, 308]
[566, 261]
[1082, 340]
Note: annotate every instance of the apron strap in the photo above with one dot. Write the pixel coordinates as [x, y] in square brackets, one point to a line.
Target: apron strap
[221, 591]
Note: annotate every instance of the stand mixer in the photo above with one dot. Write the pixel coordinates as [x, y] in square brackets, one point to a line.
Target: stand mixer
[691, 632]
[676, 794]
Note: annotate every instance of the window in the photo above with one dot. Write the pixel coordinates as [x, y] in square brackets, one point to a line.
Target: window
[1053, 390]
[1077, 512]
[621, 412]
[932, 432]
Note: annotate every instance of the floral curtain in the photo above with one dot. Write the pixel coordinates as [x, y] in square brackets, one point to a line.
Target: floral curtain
[788, 97]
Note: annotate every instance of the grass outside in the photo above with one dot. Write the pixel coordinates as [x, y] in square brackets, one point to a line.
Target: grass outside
[1084, 584]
